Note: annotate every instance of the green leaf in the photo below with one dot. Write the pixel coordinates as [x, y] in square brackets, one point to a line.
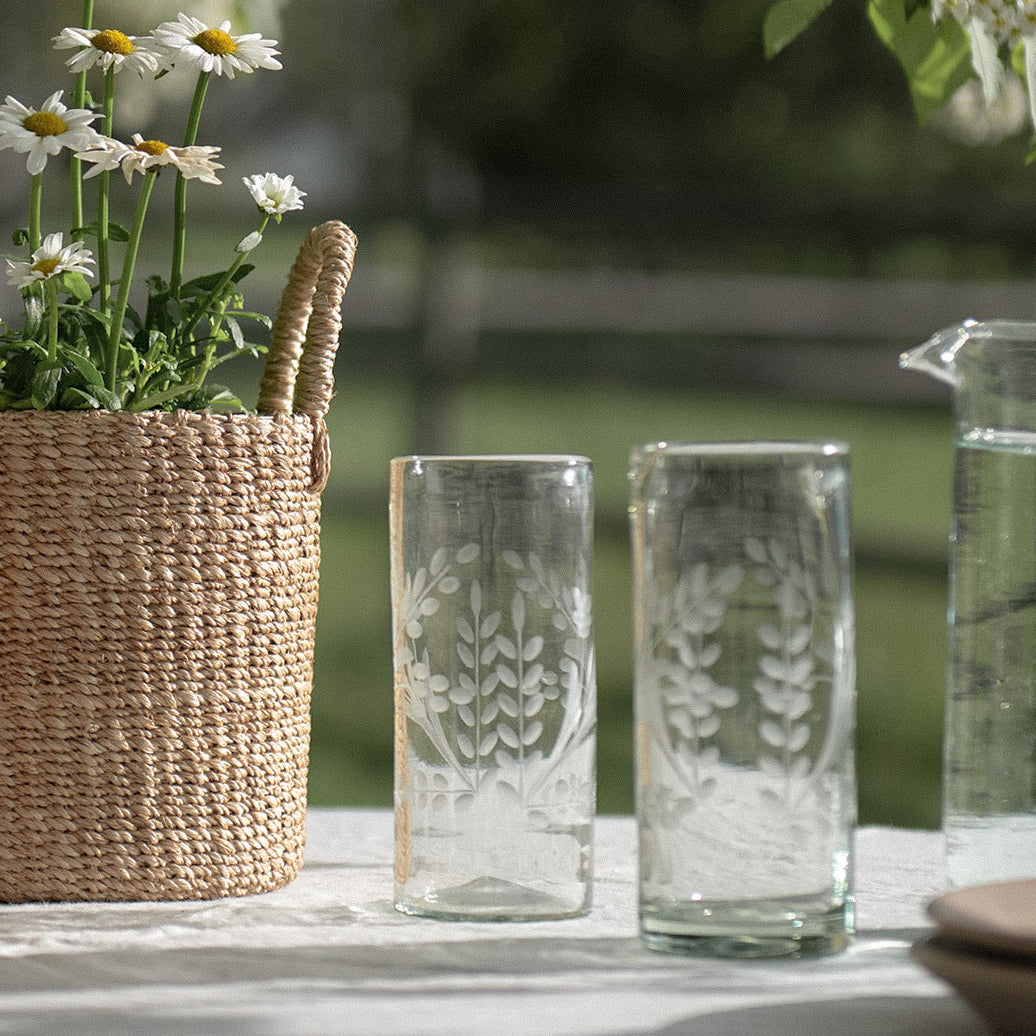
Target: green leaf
[20, 237]
[173, 312]
[45, 384]
[85, 367]
[89, 319]
[786, 20]
[33, 313]
[158, 344]
[108, 399]
[235, 332]
[78, 399]
[188, 365]
[23, 345]
[259, 318]
[211, 395]
[116, 231]
[76, 285]
[133, 318]
[935, 57]
[14, 402]
[222, 396]
[158, 398]
[98, 398]
[204, 284]
[201, 285]
[913, 6]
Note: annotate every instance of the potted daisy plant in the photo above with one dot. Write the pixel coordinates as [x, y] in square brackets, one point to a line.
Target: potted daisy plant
[85, 350]
[159, 541]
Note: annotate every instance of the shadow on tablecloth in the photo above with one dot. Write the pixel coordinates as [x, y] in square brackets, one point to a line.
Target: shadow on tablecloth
[560, 986]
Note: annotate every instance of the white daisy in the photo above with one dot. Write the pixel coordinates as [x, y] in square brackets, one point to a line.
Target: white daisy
[108, 48]
[45, 132]
[50, 260]
[195, 163]
[274, 194]
[193, 43]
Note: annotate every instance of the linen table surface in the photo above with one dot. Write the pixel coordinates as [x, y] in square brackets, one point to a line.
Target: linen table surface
[329, 954]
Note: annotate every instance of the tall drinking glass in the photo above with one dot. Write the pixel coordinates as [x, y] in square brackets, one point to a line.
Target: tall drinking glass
[494, 684]
[744, 696]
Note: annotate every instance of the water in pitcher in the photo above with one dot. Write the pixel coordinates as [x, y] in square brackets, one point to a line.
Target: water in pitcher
[990, 749]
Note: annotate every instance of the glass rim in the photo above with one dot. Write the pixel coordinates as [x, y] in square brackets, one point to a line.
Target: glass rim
[997, 328]
[745, 448]
[559, 459]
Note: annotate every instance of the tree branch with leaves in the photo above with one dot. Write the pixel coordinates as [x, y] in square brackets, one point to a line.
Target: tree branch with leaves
[940, 44]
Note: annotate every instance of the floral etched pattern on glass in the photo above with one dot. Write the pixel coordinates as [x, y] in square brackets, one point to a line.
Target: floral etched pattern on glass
[744, 697]
[496, 701]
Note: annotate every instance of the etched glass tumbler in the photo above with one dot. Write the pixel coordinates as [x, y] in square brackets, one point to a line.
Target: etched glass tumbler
[744, 696]
[495, 688]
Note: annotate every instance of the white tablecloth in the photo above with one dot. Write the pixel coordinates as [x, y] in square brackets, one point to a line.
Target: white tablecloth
[329, 954]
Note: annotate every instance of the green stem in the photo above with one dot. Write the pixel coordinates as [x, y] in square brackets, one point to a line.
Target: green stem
[132, 247]
[180, 192]
[221, 285]
[79, 101]
[50, 289]
[35, 209]
[104, 183]
[190, 135]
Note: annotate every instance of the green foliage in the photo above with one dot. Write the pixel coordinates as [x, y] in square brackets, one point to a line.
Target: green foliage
[936, 57]
[786, 20]
[161, 364]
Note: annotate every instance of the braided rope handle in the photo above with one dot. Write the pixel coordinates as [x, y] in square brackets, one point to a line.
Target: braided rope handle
[299, 372]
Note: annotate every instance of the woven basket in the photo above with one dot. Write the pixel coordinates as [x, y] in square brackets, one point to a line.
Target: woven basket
[158, 594]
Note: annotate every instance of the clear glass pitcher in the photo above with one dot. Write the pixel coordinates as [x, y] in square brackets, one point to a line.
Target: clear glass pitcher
[989, 750]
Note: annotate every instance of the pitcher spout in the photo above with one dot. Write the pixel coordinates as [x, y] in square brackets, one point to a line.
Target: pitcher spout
[938, 355]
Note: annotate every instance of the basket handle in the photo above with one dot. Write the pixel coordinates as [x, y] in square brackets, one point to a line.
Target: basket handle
[299, 373]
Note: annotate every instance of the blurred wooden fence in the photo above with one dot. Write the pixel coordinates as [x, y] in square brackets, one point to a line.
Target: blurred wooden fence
[800, 337]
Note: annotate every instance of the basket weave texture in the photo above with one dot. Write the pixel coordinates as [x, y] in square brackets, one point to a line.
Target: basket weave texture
[158, 596]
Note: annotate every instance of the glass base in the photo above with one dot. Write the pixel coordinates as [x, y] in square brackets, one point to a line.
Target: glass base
[745, 946]
[765, 928]
[492, 899]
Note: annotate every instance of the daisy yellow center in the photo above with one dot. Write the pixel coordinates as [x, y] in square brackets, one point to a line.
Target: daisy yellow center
[45, 124]
[46, 266]
[111, 41]
[152, 147]
[216, 41]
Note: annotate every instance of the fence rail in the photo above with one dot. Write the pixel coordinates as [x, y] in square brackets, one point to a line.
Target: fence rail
[807, 337]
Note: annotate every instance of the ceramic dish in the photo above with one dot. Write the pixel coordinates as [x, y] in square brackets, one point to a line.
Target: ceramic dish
[1001, 990]
[1000, 917]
